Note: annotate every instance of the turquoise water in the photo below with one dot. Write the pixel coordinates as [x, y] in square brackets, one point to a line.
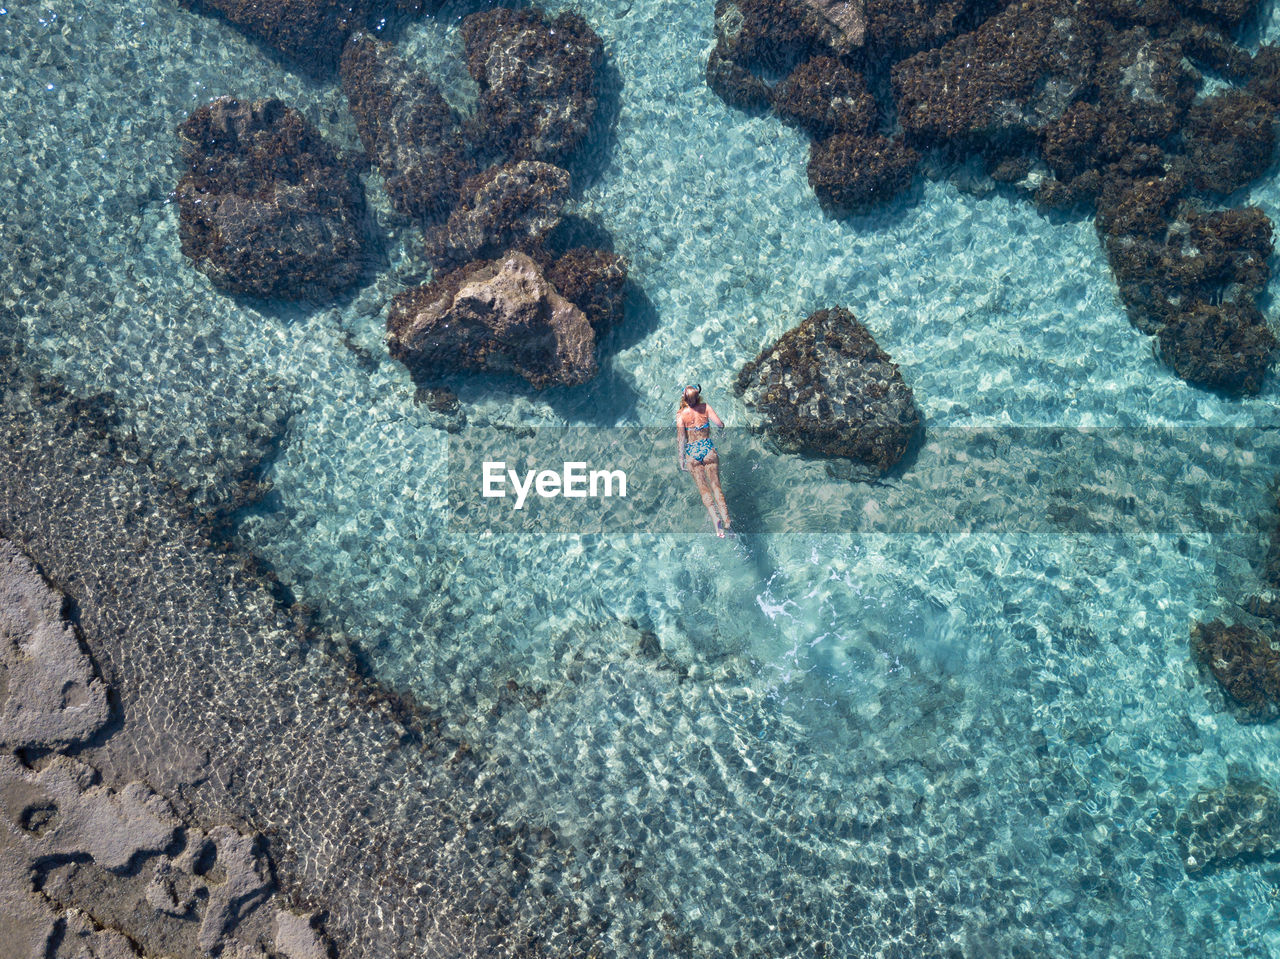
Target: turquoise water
[934, 739]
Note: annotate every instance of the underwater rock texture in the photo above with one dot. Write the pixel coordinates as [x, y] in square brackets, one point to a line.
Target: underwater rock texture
[309, 32]
[266, 208]
[851, 173]
[508, 207]
[49, 692]
[499, 315]
[826, 387]
[1228, 826]
[1245, 663]
[537, 80]
[410, 133]
[593, 280]
[1074, 104]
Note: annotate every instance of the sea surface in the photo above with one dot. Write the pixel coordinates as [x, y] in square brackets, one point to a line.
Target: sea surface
[924, 734]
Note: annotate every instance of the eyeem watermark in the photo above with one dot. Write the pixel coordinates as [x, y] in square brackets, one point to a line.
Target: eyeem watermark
[573, 481]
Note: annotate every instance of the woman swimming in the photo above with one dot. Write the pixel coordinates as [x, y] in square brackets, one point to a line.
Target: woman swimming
[696, 453]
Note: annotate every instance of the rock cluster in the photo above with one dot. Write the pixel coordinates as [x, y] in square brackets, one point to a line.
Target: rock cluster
[1079, 105]
[266, 207]
[826, 387]
[1229, 826]
[499, 300]
[91, 868]
[850, 168]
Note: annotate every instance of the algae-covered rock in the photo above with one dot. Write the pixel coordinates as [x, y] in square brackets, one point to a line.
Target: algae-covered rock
[827, 388]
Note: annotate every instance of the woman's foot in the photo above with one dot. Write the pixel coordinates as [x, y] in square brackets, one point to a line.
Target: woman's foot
[719, 529]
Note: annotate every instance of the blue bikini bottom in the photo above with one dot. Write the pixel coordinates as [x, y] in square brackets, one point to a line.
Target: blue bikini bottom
[700, 449]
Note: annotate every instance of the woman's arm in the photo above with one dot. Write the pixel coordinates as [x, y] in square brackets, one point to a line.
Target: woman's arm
[711, 415]
[681, 437]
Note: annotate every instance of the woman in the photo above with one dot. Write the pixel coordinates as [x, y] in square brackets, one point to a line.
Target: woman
[696, 453]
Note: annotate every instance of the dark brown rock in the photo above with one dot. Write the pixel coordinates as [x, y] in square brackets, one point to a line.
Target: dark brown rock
[537, 80]
[904, 26]
[513, 206]
[309, 32]
[1016, 73]
[266, 208]
[499, 315]
[593, 280]
[851, 173]
[735, 84]
[1225, 346]
[823, 96]
[1231, 139]
[827, 388]
[412, 135]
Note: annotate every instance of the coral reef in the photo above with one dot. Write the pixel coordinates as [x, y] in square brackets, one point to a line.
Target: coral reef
[501, 315]
[266, 208]
[537, 80]
[826, 387]
[1228, 826]
[513, 206]
[412, 135]
[1246, 664]
[1078, 105]
[309, 32]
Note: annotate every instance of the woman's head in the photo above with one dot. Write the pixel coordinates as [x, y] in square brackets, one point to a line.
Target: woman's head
[691, 396]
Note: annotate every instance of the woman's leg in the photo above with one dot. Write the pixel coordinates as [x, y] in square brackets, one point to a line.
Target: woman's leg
[713, 479]
[699, 472]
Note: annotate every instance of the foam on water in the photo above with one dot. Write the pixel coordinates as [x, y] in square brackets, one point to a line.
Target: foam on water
[966, 737]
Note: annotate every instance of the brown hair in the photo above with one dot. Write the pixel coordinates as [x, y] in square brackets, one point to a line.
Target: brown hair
[684, 397]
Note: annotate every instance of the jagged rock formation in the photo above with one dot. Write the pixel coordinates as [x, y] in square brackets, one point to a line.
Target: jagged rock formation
[537, 80]
[412, 135]
[509, 207]
[309, 32]
[501, 315]
[1078, 105]
[1229, 826]
[827, 388]
[266, 208]
[50, 694]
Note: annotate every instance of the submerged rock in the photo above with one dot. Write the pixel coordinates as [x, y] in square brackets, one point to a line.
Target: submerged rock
[49, 694]
[593, 280]
[513, 206]
[1244, 662]
[412, 135]
[824, 96]
[537, 80]
[1231, 140]
[266, 208]
[309, 32]
[499, 315]
[826, 387]
[1229, 826]
[1016, 73]
[851, 173]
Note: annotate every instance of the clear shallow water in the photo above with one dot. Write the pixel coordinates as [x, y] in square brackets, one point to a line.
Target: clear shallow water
[745, 745]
